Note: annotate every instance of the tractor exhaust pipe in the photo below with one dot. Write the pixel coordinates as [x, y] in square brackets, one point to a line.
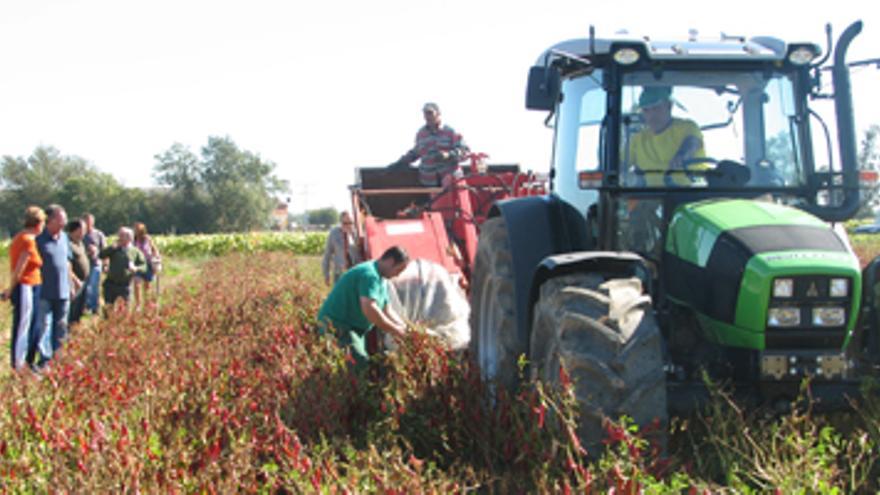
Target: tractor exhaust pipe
[846, 132]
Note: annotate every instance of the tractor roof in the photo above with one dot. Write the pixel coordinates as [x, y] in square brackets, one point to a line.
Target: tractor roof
[734, 48]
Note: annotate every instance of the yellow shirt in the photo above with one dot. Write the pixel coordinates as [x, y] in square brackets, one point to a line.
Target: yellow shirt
[652, 152]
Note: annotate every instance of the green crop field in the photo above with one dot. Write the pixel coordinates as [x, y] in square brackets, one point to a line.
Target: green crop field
[223, 387]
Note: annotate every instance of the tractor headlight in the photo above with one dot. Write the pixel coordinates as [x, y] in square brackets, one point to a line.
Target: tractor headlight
[839, 287]
[626, 56]
[783, 287]
[830, 316]
[801, 56]
[784, 317]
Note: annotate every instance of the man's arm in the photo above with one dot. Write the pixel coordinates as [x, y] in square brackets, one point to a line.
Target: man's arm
[410, 156]
[140, 261]
[354, 252]
[393, 316]
[378, 317]
[75, 282]
[329, 248]
[459, 149]
[690, 145]
[688, 149]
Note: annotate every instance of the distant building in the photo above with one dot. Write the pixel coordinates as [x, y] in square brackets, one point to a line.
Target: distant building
[280, 217]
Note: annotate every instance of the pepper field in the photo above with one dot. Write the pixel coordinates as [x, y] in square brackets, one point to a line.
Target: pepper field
[222, 387]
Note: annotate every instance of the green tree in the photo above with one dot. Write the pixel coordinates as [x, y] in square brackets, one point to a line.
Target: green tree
[102, 195]
[225, 189]
[869, 160]
[179, 168]
[323, 216]
[47, 177]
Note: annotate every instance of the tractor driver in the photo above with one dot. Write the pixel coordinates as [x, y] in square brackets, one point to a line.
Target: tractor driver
[359, 301]
[438, 148]
[666, 143]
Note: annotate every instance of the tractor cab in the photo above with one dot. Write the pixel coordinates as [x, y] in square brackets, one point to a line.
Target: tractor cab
[689, 228]
[627, 112]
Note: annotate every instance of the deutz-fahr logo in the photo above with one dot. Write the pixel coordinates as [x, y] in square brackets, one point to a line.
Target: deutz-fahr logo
[806, 255]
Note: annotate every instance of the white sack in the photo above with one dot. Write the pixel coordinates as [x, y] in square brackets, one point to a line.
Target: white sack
[427, 294]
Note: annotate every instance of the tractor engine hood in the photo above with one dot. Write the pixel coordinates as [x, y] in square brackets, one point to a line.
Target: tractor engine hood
[722, 257]
[758, 226]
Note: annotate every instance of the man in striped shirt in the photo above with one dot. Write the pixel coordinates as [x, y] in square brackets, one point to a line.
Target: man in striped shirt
[438, 148]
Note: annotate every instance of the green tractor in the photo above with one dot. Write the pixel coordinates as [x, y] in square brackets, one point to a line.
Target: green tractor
[692, 229]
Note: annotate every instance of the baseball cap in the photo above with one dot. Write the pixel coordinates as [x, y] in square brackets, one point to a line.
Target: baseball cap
[654, 95]
[431, 107]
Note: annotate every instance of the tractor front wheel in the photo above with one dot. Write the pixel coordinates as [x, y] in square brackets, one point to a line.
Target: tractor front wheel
[495, 344]
[604, 334]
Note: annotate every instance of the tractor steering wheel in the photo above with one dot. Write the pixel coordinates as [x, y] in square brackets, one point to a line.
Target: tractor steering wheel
[690, 173]
[725, 173]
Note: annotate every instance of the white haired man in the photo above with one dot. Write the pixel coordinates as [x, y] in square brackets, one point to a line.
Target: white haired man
[125, 261]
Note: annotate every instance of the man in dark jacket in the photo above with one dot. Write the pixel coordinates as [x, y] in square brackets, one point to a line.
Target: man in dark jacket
[124, 261]
[80, 267]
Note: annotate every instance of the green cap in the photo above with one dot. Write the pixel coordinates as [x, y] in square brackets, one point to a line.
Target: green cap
[654, 95]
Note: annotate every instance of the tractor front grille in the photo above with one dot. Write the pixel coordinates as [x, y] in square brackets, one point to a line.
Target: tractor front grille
[810, 291]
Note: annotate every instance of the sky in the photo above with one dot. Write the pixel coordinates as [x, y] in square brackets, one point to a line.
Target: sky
[320, 88]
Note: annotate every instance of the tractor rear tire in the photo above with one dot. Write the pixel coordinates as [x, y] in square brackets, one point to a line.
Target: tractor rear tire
[604, 333]
[495, 344]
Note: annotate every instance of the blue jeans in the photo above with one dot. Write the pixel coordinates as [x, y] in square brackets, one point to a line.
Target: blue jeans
[25, 325]
[53, 315]
[93, 288]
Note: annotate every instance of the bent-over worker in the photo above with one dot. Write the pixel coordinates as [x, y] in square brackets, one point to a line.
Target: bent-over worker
[359, 301]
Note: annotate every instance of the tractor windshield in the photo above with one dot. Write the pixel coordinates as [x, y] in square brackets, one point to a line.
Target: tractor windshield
[693, 129]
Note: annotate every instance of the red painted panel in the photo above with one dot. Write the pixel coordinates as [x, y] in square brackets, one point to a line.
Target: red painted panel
[423, 237]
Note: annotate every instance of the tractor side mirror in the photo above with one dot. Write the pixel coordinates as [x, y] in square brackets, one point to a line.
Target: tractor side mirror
[543, 88]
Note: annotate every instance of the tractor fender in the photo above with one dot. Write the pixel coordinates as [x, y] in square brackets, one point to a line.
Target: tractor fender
[610, 264]
[538, 227]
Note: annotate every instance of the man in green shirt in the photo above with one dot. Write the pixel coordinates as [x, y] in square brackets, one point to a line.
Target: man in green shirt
[125, 261]
[359, 301]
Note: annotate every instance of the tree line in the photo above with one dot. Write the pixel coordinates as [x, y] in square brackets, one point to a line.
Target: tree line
[221, 189]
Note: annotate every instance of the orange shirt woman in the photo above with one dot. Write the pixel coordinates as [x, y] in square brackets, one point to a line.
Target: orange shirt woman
[24, 259]
[24, 288]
